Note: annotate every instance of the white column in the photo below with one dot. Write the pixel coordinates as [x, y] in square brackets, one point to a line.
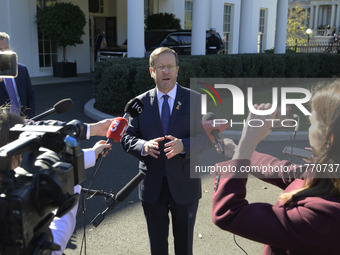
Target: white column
[246, 26]
[316, 17]
[281, 26]
[200, 9]
[324, 15]
[306, 16]
[311, 19]
[333, 15]
[135, 28]
[337, 23]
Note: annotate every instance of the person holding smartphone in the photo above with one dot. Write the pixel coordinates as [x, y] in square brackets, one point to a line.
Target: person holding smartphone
[306, 217]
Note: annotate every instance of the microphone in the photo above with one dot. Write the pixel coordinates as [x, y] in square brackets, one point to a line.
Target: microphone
[117, 129]
[60, 107]
[128, 188]
[115, 132]
[213, 127]
[133, 108]
[121, 196]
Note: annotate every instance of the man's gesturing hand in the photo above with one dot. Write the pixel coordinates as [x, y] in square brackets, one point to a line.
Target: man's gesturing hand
[151, 147]
[174, 147]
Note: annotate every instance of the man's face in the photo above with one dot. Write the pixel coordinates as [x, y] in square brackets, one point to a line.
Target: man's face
[164, 71]
[4, 45]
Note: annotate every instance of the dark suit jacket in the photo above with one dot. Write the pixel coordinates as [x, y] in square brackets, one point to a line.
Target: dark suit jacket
[185, 124]
[25, 90]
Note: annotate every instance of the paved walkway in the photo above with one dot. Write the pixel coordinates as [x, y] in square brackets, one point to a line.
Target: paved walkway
[51, 80]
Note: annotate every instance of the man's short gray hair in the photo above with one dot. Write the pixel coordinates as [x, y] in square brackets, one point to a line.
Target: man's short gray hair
[4, 35]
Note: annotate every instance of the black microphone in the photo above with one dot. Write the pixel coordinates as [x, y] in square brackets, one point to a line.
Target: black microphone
[60, 107]
[214, 132]
[133, 108]
[213, 135]
[128, 188]
[121, 196]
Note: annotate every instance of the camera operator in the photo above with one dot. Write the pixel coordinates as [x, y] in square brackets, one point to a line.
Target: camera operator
[305, 219]
[61, 228]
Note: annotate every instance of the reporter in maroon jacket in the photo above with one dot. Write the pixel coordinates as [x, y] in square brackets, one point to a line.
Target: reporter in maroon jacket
[306, 218]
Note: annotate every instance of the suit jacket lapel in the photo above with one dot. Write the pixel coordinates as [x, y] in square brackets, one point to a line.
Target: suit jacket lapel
[155, 109]
[177, 108]
[4, 92]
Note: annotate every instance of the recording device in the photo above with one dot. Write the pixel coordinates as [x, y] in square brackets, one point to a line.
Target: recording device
[213, 127]
[287, 119]
[52, 164]
[121, 196]
[297, 152]
[8, 64]
[60, 107]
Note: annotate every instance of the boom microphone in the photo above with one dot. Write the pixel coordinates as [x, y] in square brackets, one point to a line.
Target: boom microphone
[133, 108]
[128, 188]
[60, 107]
[121, 196]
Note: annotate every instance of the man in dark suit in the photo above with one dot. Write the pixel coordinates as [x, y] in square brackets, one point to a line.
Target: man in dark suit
[21, 86]
[213, 43]
[165, 137]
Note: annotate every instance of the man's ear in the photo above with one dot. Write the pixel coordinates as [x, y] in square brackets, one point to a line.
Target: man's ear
[151, 71]
[331, 139]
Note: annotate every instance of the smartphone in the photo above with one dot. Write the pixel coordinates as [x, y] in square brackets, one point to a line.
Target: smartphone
[8, 64]
[277, 125]
[297, 152]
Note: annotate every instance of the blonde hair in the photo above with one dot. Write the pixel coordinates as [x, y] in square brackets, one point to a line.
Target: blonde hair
[159, 51]
[326, 104]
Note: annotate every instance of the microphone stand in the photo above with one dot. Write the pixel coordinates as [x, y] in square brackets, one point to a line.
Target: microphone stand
[109, 199]
[95, 192]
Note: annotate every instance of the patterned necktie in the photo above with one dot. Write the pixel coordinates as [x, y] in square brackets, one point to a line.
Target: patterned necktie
[12, 96]
[165, 114]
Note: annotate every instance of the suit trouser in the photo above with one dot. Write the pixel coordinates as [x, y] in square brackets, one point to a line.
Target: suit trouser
[183, 221]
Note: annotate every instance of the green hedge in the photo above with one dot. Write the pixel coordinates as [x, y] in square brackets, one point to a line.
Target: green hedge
[120, 79]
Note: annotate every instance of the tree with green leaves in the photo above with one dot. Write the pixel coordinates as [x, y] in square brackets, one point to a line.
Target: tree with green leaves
[63, 23]
[296, 28]
[162, 21]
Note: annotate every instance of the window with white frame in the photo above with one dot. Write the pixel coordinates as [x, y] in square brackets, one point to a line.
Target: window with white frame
[101, 6]
[227, 22]
[188, 14]
[47, 49]
[262, 31]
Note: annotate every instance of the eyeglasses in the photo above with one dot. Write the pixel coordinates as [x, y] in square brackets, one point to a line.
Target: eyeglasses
[162, 68]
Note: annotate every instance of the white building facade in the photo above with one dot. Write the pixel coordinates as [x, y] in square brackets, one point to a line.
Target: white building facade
[247, 26]
[320, 15]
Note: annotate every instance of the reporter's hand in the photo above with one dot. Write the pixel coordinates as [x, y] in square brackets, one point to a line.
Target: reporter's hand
[252, 136]
[100, 146]
[100, 128]
[151, 147]
[228, 147]
[311, 159]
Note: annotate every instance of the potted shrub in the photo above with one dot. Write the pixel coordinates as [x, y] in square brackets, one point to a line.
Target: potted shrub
[64, 24]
